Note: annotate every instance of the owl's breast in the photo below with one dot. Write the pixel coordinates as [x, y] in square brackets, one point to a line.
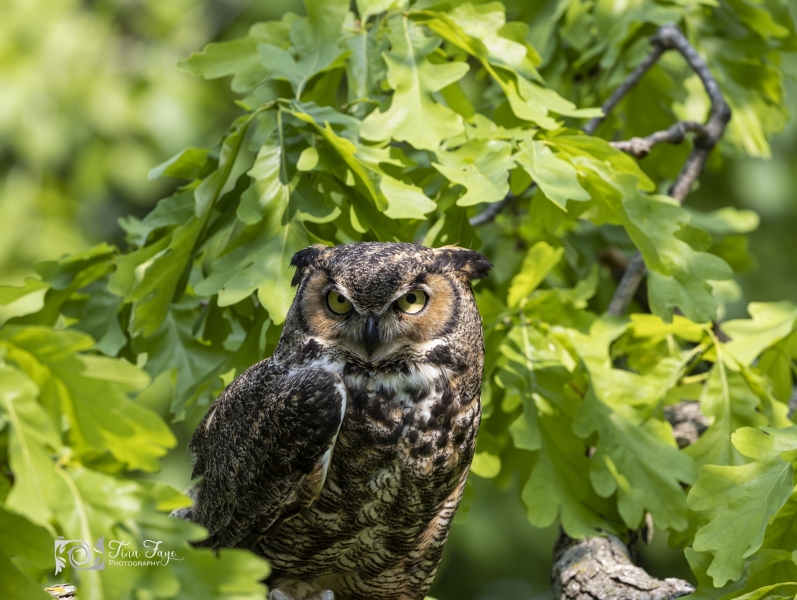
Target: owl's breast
[395, 477]
[421, 420]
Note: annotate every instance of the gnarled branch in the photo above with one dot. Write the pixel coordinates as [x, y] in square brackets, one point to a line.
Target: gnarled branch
[670, 37]
[602, 568]
[640, 147]
[491, 212]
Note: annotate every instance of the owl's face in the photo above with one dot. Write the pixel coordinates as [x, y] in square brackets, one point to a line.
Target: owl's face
[375, 300]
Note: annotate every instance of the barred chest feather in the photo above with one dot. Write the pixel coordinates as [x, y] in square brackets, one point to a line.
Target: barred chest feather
[393, 483]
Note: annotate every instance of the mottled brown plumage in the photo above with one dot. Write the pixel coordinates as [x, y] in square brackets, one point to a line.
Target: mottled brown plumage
[342, 458]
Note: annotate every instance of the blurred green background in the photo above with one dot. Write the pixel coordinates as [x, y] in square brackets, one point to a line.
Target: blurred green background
[91, 99]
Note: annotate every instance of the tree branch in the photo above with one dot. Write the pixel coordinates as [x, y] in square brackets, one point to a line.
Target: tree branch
[628, 285]
[62, 591]
[627, 85]
[669, 37]
[641, 147]
[491, 212]
[601, 567]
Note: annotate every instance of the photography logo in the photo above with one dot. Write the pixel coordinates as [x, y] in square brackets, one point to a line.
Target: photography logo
[120, 553]
[80, 554]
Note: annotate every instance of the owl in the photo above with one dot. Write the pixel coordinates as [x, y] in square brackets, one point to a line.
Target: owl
[343, 457]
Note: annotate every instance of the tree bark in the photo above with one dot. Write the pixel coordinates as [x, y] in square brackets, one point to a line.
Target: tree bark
[62, 591]
[601, 569]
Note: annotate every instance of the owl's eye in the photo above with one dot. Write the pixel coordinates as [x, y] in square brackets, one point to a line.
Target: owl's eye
[412, 302]
[338, 303]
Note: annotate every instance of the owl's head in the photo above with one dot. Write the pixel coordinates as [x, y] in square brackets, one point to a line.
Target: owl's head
[376, 300]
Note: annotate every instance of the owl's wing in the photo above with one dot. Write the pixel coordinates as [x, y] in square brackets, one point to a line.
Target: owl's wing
[263, 450]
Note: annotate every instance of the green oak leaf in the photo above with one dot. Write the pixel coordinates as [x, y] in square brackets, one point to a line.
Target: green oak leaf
[729, 401]
[538, 262]
[33, 442]
[240, 57]
[414, 115]
[277, 183]
[260, 263]
[25, 542]
[397, 199]
[17, 301]
[486, 24]
[97, 315]
[642, 466]
[66, 276]
[175, 347]
[559, 482]
[508, 58]
[186, 164]
[480, 166]
[678, 275]
[149, 277]
[369, 8]
[314, 41]
[724, 221]
[404, 201]
[71, 382]
[742, 499]
[532, 372]
[770, 323]
[557, 178]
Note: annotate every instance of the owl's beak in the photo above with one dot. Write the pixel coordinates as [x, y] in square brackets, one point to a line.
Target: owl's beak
[371, 334]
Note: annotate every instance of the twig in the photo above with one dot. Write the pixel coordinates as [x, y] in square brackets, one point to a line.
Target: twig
[669, 37]
[627, 85]
[491, 212]
[640, 147]
[627, 287]
[601, 567]
[793, 403]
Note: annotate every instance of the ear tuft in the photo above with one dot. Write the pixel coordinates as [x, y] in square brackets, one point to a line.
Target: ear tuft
[469, 263]
[303, 259]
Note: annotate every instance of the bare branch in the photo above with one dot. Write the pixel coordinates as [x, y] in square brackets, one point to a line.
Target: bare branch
[601, 567]
[793, 403]
[627, 85]
[629, 283]
[641, 147]
[670, 37]
[491, 212]
[667, 37]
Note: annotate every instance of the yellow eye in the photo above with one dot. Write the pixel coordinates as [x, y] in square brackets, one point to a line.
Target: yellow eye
[338, 303]
[412, 302]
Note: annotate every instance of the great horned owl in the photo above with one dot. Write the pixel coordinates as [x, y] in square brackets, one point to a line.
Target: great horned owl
[343, 457]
